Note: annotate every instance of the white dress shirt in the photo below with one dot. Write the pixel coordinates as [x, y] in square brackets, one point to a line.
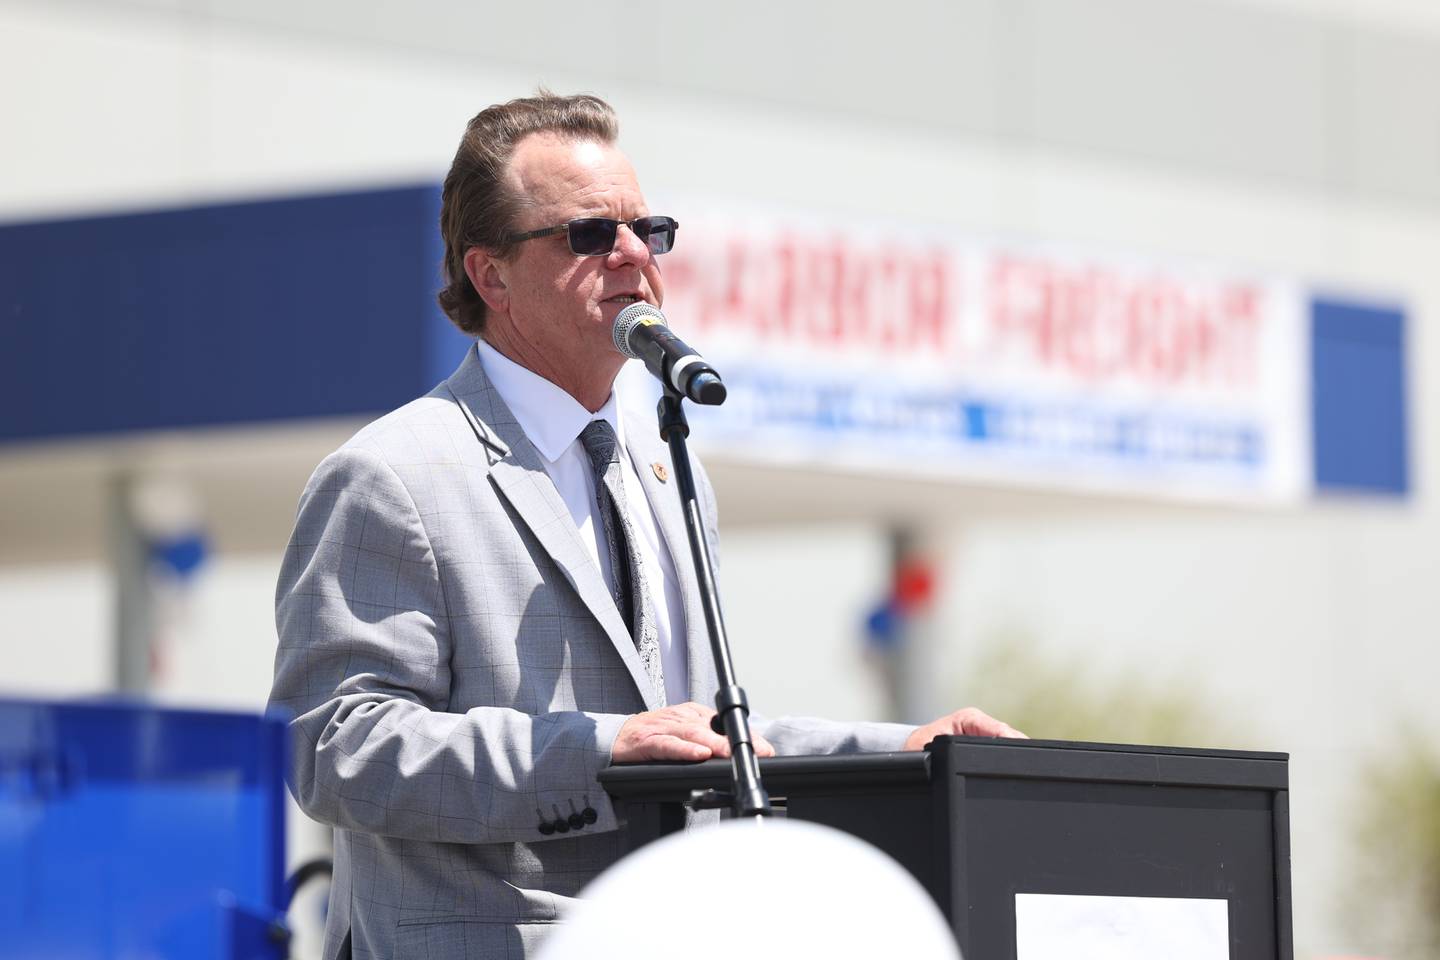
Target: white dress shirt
[553, 420]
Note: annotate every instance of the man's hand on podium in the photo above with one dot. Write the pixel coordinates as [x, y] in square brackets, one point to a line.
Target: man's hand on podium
[679, 732]
[969, 722]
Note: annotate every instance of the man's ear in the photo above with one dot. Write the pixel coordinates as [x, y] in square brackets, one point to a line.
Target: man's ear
[487, 276]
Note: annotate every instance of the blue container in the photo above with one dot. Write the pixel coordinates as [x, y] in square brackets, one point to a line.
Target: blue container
[133, 831]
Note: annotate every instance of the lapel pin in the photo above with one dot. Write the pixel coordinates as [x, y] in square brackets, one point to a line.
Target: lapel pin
[661, 473]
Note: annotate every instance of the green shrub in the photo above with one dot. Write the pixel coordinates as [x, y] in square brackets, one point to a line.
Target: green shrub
[1065, 699]
[1391, 900]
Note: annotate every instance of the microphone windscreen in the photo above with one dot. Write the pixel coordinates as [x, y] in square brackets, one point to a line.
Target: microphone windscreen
[635, 315]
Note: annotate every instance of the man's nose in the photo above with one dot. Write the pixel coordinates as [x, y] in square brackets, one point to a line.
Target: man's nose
[629, 247]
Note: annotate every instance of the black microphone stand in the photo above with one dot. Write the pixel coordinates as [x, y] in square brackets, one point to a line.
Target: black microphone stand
[747, 796]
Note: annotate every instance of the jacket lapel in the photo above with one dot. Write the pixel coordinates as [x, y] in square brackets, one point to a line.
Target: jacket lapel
[647, 449]
[519, 476]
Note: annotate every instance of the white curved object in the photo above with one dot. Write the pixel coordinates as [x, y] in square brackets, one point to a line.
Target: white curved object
[809, 891]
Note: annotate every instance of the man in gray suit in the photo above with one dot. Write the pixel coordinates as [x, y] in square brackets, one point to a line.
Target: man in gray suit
[488, 597]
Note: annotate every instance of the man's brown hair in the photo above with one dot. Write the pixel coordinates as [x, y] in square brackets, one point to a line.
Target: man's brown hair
[477, 206]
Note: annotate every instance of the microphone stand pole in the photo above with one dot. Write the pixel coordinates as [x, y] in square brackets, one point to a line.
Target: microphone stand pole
[747, 796]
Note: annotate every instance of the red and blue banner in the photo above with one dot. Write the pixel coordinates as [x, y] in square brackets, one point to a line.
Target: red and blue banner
[889, 347]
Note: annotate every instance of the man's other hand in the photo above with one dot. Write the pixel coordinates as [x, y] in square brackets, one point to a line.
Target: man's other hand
[679, 732]
[969, 722]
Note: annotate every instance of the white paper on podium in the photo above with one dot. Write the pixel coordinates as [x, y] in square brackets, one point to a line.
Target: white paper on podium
[1056, 926]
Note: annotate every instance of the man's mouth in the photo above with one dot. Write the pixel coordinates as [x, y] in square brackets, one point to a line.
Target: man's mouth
[624, 298]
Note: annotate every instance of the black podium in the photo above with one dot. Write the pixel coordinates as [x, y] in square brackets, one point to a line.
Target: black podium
[978, 821]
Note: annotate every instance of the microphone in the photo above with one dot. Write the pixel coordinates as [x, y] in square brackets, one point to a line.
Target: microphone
[640, 333]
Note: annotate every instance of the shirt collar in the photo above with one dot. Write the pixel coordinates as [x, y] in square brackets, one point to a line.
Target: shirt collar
[550, 417]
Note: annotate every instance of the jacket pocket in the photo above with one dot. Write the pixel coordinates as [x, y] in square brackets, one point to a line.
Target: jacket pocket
[469, 938]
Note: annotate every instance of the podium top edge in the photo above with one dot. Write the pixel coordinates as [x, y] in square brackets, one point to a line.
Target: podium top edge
[971, 756]
[1097, 746]
[855, 769]
[1109, 763]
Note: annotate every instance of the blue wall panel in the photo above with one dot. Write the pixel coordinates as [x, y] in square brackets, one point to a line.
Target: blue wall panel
[316, 306]
[136, 831]
[1361, 432]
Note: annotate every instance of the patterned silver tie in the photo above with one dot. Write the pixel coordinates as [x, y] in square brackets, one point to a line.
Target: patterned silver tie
[625, 565]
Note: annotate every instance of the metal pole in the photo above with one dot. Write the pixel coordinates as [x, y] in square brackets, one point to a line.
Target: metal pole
[910, 675]
[747, 797]
[134, 609]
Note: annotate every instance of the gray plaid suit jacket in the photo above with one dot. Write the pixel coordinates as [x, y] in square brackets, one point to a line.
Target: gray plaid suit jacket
[457, 672]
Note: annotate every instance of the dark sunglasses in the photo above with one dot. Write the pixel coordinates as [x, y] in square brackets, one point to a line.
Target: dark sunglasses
[595, 236]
